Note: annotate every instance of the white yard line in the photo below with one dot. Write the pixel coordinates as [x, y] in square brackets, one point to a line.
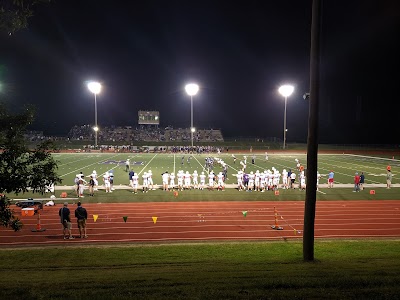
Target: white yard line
[148, 163]
[95, 163]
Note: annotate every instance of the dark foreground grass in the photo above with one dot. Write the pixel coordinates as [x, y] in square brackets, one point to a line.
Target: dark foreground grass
[343, 270]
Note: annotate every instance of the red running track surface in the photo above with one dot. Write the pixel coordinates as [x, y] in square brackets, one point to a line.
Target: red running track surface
[210, 221]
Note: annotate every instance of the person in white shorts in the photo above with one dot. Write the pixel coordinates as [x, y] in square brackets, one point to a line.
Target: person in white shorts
[202, 180]
[220, 183]
[150, 180]
[145, 182]
[292, 179]
[251, 181]
[285, 179]
[107, 184]
[180, 180]
[257, 181]
[135, 183]
[187, 178]
[195, 179]
[239, 177]
[165, 177]
[262, 182]
[171, 181]
[302, 181]
[211, 177]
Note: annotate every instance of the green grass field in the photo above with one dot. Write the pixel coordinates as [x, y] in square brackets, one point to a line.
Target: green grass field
[344, 167]
[274, 270]
[361, 269]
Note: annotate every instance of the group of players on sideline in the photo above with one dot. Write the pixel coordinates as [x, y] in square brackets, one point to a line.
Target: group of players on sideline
[260, 181]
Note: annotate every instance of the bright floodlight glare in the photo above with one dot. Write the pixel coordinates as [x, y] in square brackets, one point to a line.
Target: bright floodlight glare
[94, 87]
[193, 129]
[191, 89]
[95, 128]
[286, 90]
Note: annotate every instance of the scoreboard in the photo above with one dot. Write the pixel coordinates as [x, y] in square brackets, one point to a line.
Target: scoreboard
[148, 117]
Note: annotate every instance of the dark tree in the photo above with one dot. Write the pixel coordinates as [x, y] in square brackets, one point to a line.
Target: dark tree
[22, 169]
[14, 14]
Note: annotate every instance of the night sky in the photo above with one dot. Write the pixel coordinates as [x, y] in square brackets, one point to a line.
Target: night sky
[239, 52]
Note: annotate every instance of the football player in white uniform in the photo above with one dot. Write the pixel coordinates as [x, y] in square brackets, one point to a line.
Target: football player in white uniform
[187, 178]
[285, 179]
[220, 183]
[211, 177]
[202, 180]
[195, 176]
[172, 181]
[107, 184]
[135, 182]
[150, 180]
[145, 182]
[180, 180]
[165, 177]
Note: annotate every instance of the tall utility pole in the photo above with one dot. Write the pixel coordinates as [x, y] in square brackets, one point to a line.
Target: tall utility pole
[312, 140]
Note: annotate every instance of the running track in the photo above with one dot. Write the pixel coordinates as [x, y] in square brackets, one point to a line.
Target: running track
[211, 221]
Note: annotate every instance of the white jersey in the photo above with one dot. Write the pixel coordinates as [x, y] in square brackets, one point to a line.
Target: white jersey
[150, 178]
[195, 178]
[135, 180]
[187, 178]
[262, 180]
[220, 179]
[211, 179]
[284, 177]
[180, 179]
[145, 180]
[251, 179]
[239, 179]
[257, 180]
[202, 178]
[172, 180]
[165, 178]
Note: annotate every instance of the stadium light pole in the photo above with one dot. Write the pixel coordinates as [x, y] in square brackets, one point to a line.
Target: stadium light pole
[95, 88]
[191, 90]
[285, 90]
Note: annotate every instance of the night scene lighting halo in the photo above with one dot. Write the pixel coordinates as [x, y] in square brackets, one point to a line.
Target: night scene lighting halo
[191, 89]
[286, 90]
[94, 87]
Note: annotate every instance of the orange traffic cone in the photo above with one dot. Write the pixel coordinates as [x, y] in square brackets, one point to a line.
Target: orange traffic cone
[38, 225]
[276, 226]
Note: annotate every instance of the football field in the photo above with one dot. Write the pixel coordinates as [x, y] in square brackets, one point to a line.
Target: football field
[343, 165]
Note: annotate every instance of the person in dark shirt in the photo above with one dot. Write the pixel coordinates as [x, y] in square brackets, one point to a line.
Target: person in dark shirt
[65, 219]
[81, 217]
[91, 186]
[362, 180]
[131, 173]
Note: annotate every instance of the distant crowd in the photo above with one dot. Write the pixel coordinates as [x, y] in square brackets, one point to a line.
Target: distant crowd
[143, 134]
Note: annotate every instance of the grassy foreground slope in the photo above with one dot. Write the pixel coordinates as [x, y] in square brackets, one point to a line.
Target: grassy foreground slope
[343, 270]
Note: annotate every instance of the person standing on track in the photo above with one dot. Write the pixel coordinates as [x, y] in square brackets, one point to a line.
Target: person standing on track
[81, 217]
[65, 219]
